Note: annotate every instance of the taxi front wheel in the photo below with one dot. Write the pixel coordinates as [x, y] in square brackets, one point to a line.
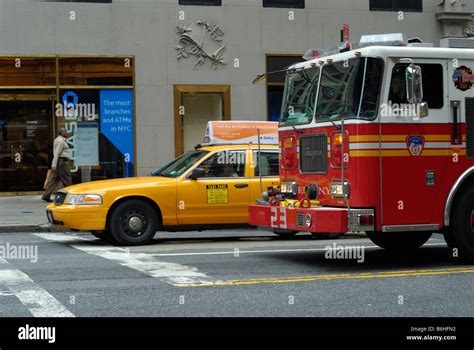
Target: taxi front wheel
[133, 222]
[104, 236]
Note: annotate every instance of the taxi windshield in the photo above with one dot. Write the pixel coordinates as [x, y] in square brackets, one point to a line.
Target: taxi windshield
[299, 96]
[180, 165]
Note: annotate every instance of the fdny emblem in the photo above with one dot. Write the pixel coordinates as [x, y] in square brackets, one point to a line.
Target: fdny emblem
[415, 144]
[463, 78]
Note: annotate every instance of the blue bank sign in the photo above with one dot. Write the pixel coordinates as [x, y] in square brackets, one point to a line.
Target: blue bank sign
[116, 123]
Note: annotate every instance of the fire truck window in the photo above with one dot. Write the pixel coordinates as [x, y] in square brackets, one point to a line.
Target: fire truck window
[432, 75]
[372, 85]
[398, 91]
[269, 163]
[299, 96]
[341, 86]
[225, 164]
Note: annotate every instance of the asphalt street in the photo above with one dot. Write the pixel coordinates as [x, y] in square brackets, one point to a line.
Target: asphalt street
[236, 272]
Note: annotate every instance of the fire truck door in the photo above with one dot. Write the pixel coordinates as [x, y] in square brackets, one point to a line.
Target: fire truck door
[415, 151]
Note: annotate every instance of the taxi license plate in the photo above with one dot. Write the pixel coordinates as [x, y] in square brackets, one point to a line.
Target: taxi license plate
[49, 214]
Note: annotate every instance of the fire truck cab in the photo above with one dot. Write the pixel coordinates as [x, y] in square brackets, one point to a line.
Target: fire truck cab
[378, 139]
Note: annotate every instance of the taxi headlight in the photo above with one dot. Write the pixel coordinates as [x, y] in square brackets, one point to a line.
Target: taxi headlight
[83, 199]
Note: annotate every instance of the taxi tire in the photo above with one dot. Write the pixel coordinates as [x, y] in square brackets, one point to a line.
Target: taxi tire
[116, 223]
[104, 236]
[461, 226]
[399, 241]
[285, 234]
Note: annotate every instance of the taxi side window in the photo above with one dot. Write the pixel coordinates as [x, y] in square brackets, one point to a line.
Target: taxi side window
[268, 162]
[227, 163]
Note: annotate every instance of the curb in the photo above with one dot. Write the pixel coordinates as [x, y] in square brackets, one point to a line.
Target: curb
[30, 228]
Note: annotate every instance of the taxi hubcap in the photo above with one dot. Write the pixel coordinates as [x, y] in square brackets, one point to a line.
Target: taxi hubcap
[135, 223]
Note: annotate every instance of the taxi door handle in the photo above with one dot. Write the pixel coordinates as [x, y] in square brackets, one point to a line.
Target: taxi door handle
[241, 185]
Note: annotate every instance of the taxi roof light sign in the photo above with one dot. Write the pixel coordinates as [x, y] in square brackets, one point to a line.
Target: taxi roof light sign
[240, 132]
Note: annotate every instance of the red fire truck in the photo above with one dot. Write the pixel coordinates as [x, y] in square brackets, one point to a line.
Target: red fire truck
[377, 139]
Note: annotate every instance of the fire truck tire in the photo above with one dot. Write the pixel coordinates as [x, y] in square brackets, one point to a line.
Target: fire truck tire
[462, 226]
[449, 239]
[327, 235]
[284, 233]
[399, 241]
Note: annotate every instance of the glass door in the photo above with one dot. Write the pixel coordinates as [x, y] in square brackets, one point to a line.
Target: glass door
[26, 137]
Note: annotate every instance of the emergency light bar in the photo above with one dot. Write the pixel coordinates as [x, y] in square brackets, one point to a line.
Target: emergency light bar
[392, 39]
[240, 132]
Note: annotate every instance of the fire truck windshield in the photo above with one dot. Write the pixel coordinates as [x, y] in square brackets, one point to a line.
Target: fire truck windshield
[299, 96]
[350, 89]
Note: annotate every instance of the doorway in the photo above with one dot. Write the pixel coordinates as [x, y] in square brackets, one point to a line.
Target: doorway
[195, 105]
[26, 136]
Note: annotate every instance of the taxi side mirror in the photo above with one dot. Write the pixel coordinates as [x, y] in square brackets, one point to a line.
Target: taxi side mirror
[197, 173]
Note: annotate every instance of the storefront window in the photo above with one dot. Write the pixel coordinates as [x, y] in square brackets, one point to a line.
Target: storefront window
[101, 125]
[92, 71]
[27, 71]
[94, 100]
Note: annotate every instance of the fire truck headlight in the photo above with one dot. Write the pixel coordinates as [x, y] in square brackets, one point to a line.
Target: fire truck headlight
[338, 190]
[290, 188]
[307, 220]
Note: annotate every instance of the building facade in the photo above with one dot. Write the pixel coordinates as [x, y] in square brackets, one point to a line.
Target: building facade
[135, 81]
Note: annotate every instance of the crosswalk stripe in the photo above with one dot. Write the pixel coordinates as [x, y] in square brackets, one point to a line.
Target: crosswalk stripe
[172, 273]
[38, 301]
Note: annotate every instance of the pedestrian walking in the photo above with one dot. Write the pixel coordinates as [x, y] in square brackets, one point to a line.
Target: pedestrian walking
[61, 176]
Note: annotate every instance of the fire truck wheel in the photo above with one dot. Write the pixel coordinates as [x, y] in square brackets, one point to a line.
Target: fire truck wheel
[400, 241]
[449, 239]
[327, 235]
[462, 225]
[284, 233]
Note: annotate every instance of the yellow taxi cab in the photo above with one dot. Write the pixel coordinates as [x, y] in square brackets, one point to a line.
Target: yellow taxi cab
[210, 185]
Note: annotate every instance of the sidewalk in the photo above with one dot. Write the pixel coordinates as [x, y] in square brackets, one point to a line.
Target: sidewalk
[23, 213]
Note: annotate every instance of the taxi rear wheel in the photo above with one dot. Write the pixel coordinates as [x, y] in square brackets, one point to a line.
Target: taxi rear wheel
[133, 222]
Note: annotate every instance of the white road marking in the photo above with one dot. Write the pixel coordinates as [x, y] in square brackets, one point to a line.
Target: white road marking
[232, 252]
[173, 273]
[38, 301]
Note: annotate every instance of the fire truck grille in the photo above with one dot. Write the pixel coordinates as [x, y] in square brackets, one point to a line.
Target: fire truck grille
[314, 153]
[469, 127]
[300, 219]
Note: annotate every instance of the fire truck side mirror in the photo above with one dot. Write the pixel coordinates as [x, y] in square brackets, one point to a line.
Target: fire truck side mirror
[422, 110]
[414, 84]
